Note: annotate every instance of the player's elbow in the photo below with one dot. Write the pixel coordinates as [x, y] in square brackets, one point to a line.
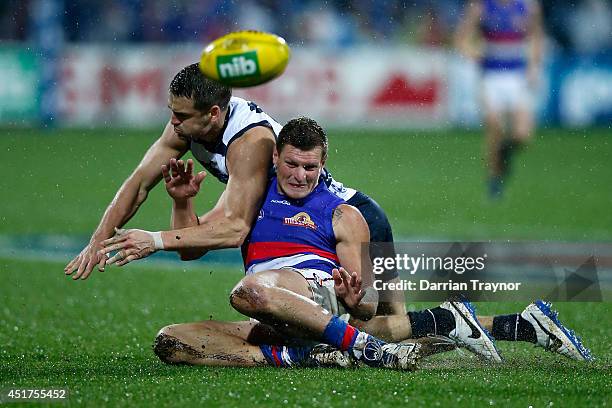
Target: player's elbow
[139, 187]
[142, 194]
[239, 231]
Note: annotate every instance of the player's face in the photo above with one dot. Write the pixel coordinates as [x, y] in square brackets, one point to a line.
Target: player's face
[189, 123]
[298, 170]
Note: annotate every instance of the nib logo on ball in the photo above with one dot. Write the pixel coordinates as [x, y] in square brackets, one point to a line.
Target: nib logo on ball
[245, 58]
[238, 65]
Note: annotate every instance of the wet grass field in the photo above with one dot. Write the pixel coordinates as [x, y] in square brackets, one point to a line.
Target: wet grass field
[94, 337]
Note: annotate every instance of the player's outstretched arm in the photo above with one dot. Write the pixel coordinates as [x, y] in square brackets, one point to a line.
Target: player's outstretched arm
[465, 38]
[353, 282]
[132, 193]
[229, 222]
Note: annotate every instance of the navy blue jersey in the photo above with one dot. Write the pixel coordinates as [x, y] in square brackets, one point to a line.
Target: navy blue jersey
[293, 233]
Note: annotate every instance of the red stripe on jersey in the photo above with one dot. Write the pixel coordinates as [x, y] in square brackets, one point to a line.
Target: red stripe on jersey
[265, 250]
[349, 335]
[501, 36]
[277, 361]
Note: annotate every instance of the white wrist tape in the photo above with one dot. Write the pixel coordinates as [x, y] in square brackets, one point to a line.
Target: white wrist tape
[157, 238]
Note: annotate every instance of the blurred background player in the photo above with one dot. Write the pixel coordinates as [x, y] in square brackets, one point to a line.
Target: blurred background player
[505, 38]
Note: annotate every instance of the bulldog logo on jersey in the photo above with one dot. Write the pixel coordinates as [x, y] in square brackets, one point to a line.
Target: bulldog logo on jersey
[300, 219]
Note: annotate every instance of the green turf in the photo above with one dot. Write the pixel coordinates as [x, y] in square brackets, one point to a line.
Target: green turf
[431, 184]
[94, 338]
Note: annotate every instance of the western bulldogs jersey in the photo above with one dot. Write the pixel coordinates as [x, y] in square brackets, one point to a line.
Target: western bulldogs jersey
[293, 233]
[504, 26]
[243, 115]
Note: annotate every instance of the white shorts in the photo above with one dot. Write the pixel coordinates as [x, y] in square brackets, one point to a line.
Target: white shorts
[506, 91]
[321, 286]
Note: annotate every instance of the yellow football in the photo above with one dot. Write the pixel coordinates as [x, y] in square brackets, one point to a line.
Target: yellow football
[245, 58]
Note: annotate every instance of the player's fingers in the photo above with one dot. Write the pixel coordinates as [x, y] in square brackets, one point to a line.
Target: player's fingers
[128, 259]
[70, 267]
[80, 269]
[353, 280]
[113, 240]
[200, 177]
[189, 167]
[357, 287]
[180, 165]
[166, 173]
[88, 268]
[346, 280]
[114, 247]
[345, 275]
[102, 264]
[122, 262]
[336, 276]
[173, 168]
[119, 256]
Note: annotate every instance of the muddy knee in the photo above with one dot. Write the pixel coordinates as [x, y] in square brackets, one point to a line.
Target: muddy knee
[251, 298]
[167, 346]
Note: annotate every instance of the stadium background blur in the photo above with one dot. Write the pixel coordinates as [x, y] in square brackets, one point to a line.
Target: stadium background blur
[83, 94]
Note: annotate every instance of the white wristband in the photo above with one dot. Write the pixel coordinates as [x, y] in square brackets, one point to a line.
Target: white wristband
[157, 238]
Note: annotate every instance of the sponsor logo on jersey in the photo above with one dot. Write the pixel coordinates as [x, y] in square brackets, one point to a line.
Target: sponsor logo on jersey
[261, 214]
[238, 65]
[283, 202]
[300, 219]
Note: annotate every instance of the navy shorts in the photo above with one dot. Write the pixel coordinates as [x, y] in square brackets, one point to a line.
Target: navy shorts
[380, 230]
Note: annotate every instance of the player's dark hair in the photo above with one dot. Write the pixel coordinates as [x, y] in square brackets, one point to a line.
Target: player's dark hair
[190, 83]
[303, 133]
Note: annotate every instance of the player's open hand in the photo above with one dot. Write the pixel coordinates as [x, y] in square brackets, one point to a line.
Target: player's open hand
[129, 245]
[348, 288]
[181, 183]
[84, 262]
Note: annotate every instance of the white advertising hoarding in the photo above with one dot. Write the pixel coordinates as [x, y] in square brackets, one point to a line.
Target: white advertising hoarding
[398, 87]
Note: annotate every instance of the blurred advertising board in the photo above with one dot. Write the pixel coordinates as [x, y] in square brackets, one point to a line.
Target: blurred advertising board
[128, 86]
[391, 87]
[118, 86]
[396, 87]
[19, 70]
[582, 90]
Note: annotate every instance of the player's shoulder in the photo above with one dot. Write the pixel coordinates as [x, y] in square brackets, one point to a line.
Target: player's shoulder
[349, 224]
[347, 214]
[252, 148]
[243, 110]
[245, 116]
